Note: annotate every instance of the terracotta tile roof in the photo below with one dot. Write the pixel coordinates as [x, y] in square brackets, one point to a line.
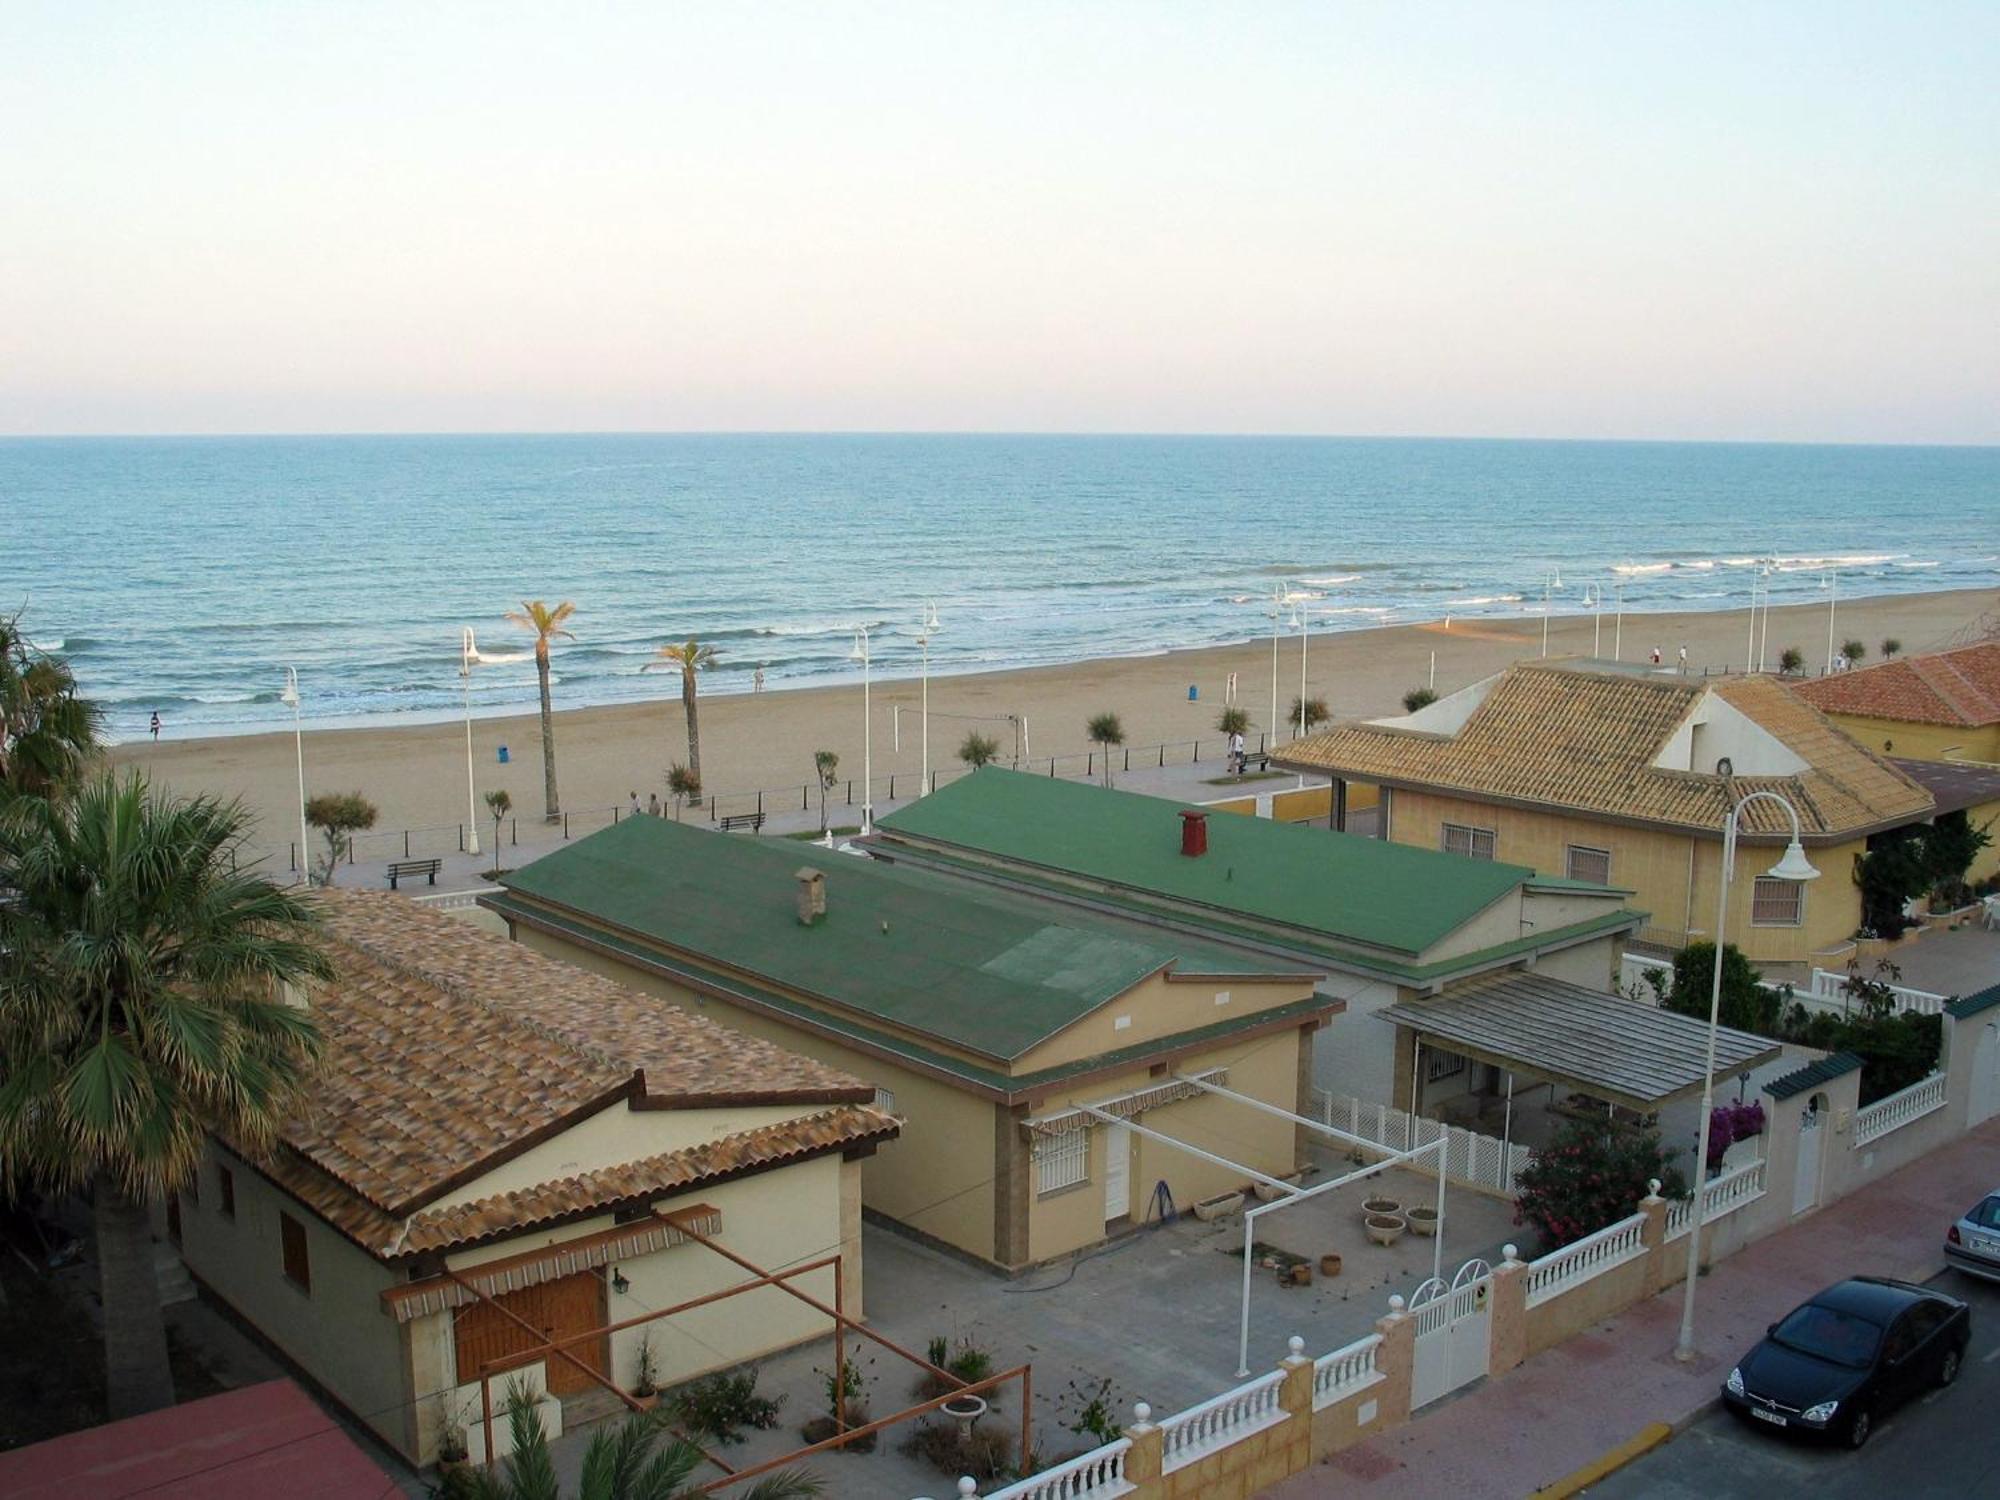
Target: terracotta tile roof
[1960, 687]
[1567, 738]
[449, 1049]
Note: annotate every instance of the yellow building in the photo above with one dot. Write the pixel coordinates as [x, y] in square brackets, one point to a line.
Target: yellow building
[1595, 772]
[1943, 705]
[497, 1140]
[1044, 1062]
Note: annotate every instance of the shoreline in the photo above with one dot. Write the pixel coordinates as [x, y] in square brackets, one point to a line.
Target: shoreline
[415, 771]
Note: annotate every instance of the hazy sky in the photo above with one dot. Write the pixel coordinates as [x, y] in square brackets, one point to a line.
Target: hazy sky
[1601, 220]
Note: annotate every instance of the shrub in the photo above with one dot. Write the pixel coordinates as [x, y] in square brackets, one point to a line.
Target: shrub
[1233, 721]
[1090, 1411]
[338, 815]
[1417, 698]
[978, 749]
[1791, 660]
[1315, 713]
[1853, 650]
[1890, 646]
[988, 1454]
[1591, 1175]
[1746, 1004]
[722, 1405]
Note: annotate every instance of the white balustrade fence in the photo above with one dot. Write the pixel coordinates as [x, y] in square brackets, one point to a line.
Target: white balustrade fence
[1828, 991]
[1345, 1371]
[1097, 1475]
[456, 900]
[1469, 1157]
[1558, 1271]
[1726, 1194]
[1899, 1109]
[1190, 1436]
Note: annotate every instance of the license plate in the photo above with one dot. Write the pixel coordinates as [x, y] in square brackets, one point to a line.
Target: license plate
[1767, 1416]
[1980, 1243]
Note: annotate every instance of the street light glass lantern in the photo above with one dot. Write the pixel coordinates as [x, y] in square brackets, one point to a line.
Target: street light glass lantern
[1794, 865]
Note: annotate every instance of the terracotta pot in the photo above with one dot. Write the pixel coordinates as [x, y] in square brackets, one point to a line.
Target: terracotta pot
[1329, 1265]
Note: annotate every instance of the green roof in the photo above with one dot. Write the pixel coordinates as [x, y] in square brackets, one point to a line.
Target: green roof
[1339, 886]
[984, 970]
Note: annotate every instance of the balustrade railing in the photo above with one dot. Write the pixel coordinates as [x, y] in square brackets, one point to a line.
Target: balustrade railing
[1899, 1109]
[1345, 1371]
[1097, 1475]
[1190, 1436]
[1726, 1194]
[1562, 1269]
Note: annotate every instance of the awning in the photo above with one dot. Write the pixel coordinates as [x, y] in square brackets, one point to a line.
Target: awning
[550, 1263]
[1625, 1051]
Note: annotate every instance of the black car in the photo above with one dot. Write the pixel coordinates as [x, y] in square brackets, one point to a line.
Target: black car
[1842, 1361]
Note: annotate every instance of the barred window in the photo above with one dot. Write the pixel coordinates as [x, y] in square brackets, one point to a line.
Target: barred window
[1586, 863]
[1443, 1065]
[1777, 903]
[1062, 1160]
[1476, 842]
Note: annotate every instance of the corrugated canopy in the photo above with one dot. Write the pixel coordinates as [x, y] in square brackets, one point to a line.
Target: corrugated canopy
[1628, 1052]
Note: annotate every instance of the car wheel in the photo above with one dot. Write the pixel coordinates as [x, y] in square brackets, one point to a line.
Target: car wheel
[1859, 1426]
[1948, 1368]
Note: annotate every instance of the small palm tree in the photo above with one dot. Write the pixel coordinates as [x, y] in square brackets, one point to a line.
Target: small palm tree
[826, 771]
[1890, 647]
[626, 1462]
[1307, 713]
[547, 624]
[684, 784]
[1791, 661]
[140, 1010]
[978, 749]
[46, 731]
[498, 805]
[688, 657]
[1233, 721]
[1417, 698]
[1105, 730]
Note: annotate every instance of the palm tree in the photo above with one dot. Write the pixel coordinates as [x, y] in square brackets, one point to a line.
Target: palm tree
[826, 771]
[141, 1008]
[499, 802]
[626, 1462]
[46, 731]
[1105, 730]
[690, 656]
[547, 624]
[1233, 721]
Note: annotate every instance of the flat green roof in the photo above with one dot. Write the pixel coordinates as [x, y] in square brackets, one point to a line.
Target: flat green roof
[984, 970]
[1341, 886]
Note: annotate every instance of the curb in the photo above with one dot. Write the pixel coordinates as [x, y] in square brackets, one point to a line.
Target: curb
[1649, 1437]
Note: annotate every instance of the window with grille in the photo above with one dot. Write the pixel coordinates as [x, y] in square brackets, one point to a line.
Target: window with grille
[1443, 1065]
[1061, 1160]
[885, 1100]
[1593, 865]
[1476, 842]
[298, 1264]
[1777, 903]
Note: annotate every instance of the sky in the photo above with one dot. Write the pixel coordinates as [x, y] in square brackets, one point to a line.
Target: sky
[1741, 221]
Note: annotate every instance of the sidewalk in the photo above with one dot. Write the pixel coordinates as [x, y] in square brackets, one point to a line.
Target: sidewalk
[1509, 1436]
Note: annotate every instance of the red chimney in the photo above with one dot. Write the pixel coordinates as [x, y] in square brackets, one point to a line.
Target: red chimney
[1194, 834]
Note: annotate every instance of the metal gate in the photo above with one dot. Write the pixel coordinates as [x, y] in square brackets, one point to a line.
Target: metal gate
[1812, 1149]
[1454, 1332]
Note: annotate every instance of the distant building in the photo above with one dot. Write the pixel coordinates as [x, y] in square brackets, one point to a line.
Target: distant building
[1942, 705]
[494, 1139]
[1600, 773]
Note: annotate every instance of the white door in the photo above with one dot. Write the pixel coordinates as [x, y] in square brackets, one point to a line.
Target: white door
[1117, 1172]
[1986, 1074]
[1812, 1141]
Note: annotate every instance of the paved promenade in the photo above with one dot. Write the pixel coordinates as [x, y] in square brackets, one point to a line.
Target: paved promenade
[1509, 1436]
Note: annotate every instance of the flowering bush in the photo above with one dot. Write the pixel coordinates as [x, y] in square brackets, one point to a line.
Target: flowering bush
[1591, 1175]
[1721, 1131]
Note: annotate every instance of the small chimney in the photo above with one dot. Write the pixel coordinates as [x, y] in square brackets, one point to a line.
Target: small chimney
[1194, 834]
[812, 895]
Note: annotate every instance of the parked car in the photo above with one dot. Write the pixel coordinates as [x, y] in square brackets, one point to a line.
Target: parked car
[1973, 1243]
[1836, 1365]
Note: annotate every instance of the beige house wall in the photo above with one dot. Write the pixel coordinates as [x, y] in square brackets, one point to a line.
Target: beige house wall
[1160, 1007]
[1922, 741]
[337, 1332]
[1593, 965]
[1671, 875]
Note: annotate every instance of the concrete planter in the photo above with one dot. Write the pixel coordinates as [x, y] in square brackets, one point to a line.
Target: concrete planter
[1384, 1229]
[1221, 1206]
[1268, 1194]
[1386, 1207]
[1422, 1221]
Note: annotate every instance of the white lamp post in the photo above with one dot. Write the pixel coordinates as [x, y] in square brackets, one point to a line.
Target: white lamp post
[290, 698]
[925, 631]
[1618, 628]
[1279, 599]
[1793, 866]
[1831, 582]
[1550, 585]
[468, 653]
[1593, 600]
[1302, 619]
[860, 654]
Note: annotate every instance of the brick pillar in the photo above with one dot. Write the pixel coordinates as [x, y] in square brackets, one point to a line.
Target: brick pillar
[1295, 1395]
[1143, 1461]
[1395, 1361]
[1510, 1314]
[1653, 1235]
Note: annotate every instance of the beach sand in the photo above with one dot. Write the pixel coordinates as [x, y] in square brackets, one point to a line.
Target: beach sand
[415, 773]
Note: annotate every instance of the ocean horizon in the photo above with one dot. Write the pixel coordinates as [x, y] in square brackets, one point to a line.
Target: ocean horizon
[181, 575]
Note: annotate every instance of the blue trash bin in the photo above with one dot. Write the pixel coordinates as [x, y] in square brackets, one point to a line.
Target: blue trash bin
[503, 755]
[1194, 692]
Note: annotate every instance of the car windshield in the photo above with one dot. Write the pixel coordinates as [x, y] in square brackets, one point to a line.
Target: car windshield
[1826, 1334]
[1986, 1215]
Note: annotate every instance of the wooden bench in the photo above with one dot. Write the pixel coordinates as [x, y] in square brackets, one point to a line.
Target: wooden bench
[411, 868]
[1261, 761]
[752, 821]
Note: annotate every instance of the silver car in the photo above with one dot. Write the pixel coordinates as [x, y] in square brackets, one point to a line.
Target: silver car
[1973, 1243]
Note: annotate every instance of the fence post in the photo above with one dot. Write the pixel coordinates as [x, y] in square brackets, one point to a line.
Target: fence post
[614, 815]
[805, 798]
[1128, 757]
[1147, 1455]
[295, 856]
[406, 843]
[1052, 765]
[892, 786]
[461, 838]
[850, 791]
[1395, 1362]
[1293, 1444]
[1653, 1235]
[565, 825]
[760, 804]
[1510, 1313]
[515, 831]
[1163, 755]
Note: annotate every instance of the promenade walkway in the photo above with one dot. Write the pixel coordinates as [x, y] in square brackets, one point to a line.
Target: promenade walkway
[1508, 1437]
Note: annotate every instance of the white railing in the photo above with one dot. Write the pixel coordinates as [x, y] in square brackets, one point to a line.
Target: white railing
[1632, 971]
[1829, 990]
[1093, 1476]
[1726, 1194]
[1345, 1371]
[1471, 1158]
[455, 900]
[1562, 1269]
[1899, 1109]
[1192, 1435]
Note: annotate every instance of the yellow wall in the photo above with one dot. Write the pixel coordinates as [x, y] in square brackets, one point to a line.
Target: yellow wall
[1247, 806]
[1922, 741]
[1655, 865]
[1158, 1008]
[1986, 862]
[1303, 804]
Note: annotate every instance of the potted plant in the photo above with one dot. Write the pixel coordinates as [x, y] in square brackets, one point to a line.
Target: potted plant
[646, 1379]
[453, 1450]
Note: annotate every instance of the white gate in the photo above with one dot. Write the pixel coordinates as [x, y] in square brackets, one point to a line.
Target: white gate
[1986, 1074]
[1117, 1172]
[1454, 1332]
[1812, 1147]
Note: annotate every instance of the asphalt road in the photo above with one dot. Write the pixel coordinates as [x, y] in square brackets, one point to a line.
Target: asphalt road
[1941, 1444]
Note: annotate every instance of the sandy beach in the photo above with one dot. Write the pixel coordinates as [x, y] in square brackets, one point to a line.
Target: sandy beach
[415, 773]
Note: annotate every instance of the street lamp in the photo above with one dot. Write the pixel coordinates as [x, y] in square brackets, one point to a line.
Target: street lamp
[470, 656]
[1552, 584]
[1279, 599]
[1303, 619]
[1792, 866]
[1830, 581]
[1618, 626]
[290, 698]
[1593, 600]
[860, 654]
[925, 631]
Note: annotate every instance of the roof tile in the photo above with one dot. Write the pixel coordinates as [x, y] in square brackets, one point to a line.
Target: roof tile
[1959, 688]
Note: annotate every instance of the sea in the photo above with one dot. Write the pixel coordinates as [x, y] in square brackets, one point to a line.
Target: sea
[181, 576]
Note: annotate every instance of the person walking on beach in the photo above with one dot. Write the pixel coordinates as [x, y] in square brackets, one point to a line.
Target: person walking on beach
[156, 725]
[757, 681]
[1684, 661]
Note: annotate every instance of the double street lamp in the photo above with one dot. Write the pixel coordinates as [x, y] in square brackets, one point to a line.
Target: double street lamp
[925, 631]
[290, 698]
[860, 654]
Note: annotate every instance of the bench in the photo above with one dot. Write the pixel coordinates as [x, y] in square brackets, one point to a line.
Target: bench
[752, 821]
[1260, 761]
[411, 868]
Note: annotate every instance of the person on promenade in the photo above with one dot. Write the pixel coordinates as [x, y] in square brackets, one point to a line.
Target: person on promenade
[653, 804]
[1684, 661]
[156, 724]
[636, 809]
[1656, 656]
[1236, 753]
